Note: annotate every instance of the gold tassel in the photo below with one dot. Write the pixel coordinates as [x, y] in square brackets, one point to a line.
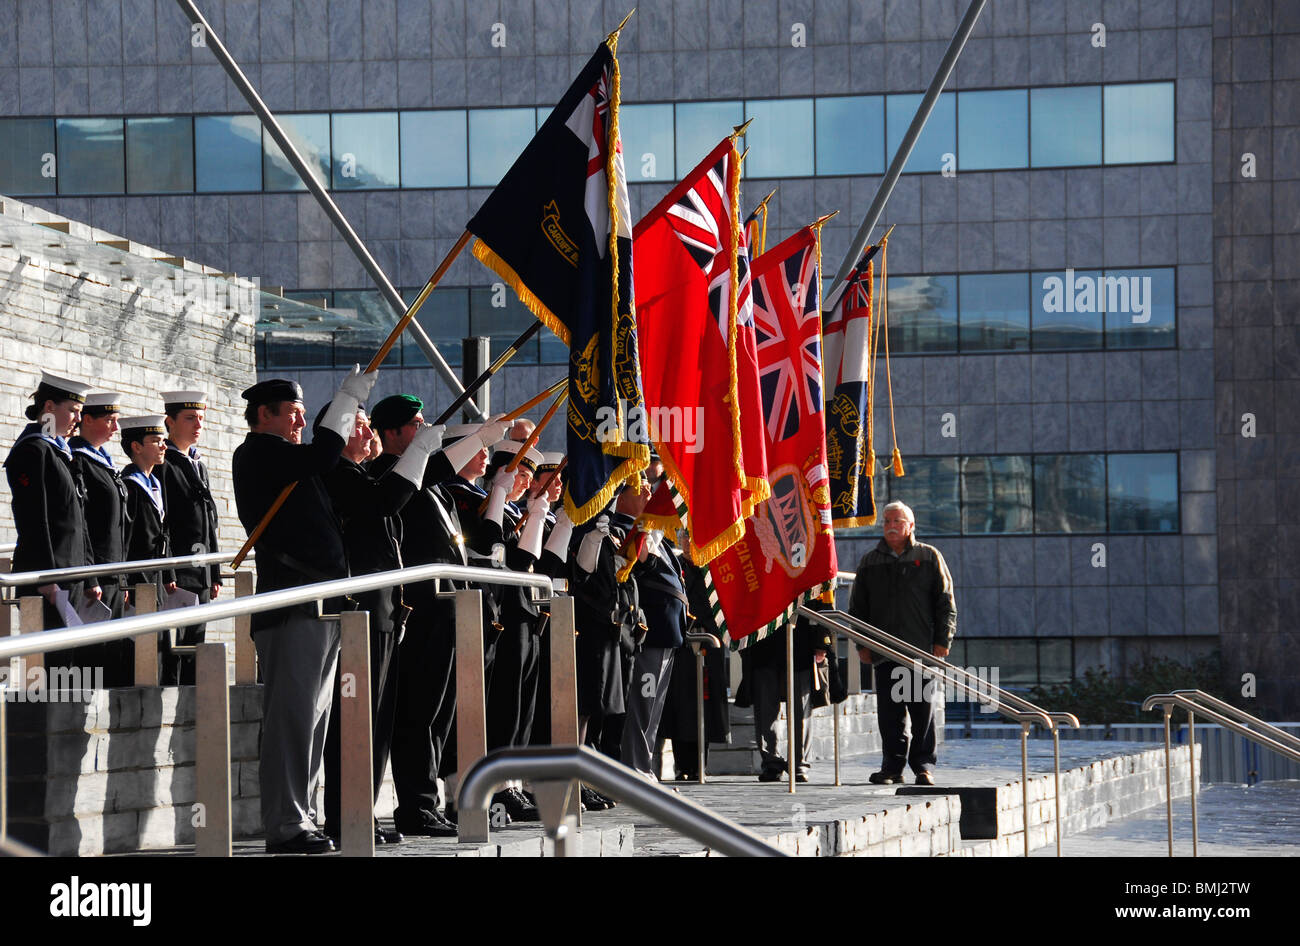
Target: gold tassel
[898, 463]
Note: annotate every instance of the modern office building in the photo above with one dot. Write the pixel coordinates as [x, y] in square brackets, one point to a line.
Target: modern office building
[1092, 291]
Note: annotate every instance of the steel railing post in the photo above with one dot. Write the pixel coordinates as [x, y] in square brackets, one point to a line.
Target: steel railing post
[212, 832]
[146, 645]
[245, 651]
[31, 617]
[356, 755]
[1024, 779]
[1169, 783]
[699, 711]
[471, 717]
[1191, 761]
[1056, 781]
[791, 763]
[564, 685]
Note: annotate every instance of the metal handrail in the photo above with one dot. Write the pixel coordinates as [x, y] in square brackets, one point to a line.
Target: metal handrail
[698, 640]
[1214, 703]
[1196, 701]
[872, 640]
[123, 628]
[547, 763]
[113, 568]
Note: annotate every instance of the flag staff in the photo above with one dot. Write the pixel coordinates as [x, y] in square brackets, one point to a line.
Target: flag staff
[291, 153]
[955, 47]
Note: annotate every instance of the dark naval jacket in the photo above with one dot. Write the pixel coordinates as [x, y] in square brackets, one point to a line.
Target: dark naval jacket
[662, 591]
[191, 515]
[909, 595]
[48, 505]
[106, 512]
[147, 534]
[303, 543]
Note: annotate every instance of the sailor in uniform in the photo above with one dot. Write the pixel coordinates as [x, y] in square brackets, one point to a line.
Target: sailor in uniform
[143, 442]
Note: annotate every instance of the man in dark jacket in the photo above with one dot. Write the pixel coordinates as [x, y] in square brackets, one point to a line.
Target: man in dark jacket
[903, 587]
[297, 650]
[191, 517]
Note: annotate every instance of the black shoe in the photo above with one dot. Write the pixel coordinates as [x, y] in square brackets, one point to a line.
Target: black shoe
[449, 814]
[516, 805]
[801, 777]
[592, 801]
[428, 827]
[305, 842]
[924, 777]
[886, 778]
[388, 835]
[771, 775]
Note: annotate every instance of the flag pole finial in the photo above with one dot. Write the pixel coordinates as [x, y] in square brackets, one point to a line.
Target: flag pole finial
[613, 37]
[739, 130]
[888, 232]
[741, 159]
[816, 224]
[770, 195]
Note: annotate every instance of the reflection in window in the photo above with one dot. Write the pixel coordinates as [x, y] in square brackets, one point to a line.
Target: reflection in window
[780, 140]
[1140, 308]
[1070, 493]
[1055, 660]
[497, 136]
[993, 131]
[227, 153]
[285, 350]
[433, 149]
[1139, 123]
[994, 312]
[502, 324]
[90, 156]
[700, 126]
[647, 132]
[445, 318]
[1067, 313]
[365, 150]
[997, 495]
[1065, 125]
[373, 320]
[932, 489]
[922, 314]
[27, 165]
[1015, 658]
[851, 134]
[310, 134]
[1143, 492]
[939, 137]
[159, 155]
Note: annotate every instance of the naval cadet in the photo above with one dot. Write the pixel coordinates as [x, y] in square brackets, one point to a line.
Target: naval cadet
[48, 499]
[143, 442]
[191, 517]
[297, 649]
[106, 523]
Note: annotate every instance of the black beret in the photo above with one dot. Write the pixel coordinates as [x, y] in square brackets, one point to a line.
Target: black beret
[273, 392]
[395, 411]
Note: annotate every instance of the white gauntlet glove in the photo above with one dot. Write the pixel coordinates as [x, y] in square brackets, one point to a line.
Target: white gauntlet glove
[353, 392]
[494, 431]
[589, 550]
[558, 542]
[530, 540]
[654, 540]
[410, 465]
[502, 483]
[463, 450]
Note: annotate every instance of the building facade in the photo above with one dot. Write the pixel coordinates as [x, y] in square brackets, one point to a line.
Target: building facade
[1090, 282]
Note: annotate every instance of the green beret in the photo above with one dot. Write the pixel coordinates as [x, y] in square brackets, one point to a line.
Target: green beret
[395, 411]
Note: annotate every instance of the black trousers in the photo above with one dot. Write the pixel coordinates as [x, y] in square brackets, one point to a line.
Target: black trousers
[178, 669]
[383, 708]
[899, 697]
[427, 657]
[768, 687]
[512, 690]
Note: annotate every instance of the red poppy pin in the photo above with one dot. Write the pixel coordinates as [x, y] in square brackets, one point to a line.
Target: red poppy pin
[23, 480]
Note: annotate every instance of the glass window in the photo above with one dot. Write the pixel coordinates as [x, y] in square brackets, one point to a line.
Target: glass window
[994, 312]
[1142, 491]
[1065, 126]
[1015, 658]
[159, 155]
[365, 150]
[647, 133]
[358, 347]
[993, 129]
[27, 165]
[1139, 123]
[780, 141]
[1066, 313]
[434, 149]
[227, 153]
[700, 126]
[997, 495]
[310, 134]
[1140, 308]
[932, 489]
[922, 314]
[445, 318]
[373, 321]
[315, 350]
[1055, 660]
[1070, 493]
[497, 136]
[502, 324]
[939, 137]
[91, 156]
[851, 134]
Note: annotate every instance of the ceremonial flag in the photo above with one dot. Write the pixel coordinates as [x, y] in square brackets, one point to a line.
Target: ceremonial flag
[787, 554]
[558, 230]
[687, 299]
[752, 442]
[850, 450]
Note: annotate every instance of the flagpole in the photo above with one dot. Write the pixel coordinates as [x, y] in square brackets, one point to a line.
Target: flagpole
[955, 47]
[273, 128]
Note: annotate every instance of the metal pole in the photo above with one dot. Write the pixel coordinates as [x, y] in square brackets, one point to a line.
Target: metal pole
[471, 721]
[245, 650]
[835, 723]
[1169, 785]
[955, 46]
[561, 636]
[390, 293]
[475, 356]
[1191, 760]
[1024, 779]
[1056, 778]
[146, 644]
[356, 755]
[699, 710]
[789, 705]
[31, 618]
[212, 838]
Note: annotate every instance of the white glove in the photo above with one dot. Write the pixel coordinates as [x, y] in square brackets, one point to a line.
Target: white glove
[410, 465]
[654, 540]
[342, 414]
[589, 550]
[530, 540]
[462, 451]
[558, 541]
[494, 431]
[539, 506]
[502, 483]
[602, 525]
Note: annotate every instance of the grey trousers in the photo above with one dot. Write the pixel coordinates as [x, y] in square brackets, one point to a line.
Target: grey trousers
[297, 659]
[769, 692]
[647, 692]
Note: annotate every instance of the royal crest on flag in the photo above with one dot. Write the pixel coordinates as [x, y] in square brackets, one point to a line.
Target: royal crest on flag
[558, 230]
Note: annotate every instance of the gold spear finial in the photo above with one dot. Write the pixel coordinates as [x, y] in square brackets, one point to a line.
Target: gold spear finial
[738, 130]
[612, 38]
[816, 224]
